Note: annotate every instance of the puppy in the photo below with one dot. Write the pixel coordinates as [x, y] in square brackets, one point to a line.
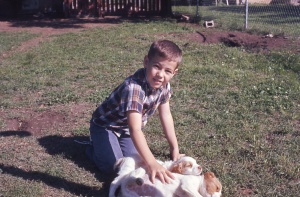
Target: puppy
[126, 170]
[137, 183]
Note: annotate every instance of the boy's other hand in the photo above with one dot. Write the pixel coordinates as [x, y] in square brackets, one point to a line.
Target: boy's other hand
[176, 155]
[157, 170]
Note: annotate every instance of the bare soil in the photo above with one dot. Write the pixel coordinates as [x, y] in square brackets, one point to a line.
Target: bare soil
[249, 42]
[48, 119]
[46, 28]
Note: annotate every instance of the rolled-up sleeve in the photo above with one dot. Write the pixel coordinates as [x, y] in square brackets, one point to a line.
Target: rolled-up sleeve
[132, 98]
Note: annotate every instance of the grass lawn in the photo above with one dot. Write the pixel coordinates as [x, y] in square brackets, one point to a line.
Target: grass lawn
[236, 112]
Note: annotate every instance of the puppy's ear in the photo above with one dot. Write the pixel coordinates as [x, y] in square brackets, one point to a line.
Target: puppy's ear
[177, 168]
[209, 175]
[212, 183]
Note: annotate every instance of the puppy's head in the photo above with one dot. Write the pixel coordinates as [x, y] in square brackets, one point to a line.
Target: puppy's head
[213, 186]
[186, 165]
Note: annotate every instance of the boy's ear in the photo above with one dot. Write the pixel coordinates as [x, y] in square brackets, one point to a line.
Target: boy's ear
[176, 71]
[146, 60]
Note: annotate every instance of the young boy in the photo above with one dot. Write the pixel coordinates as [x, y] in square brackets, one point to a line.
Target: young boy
[116, 125]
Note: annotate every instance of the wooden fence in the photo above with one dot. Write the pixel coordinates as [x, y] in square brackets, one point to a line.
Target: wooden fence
[119, 7]
[140, 7]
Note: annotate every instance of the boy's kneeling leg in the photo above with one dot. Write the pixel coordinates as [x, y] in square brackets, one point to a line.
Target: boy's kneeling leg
[104, 150]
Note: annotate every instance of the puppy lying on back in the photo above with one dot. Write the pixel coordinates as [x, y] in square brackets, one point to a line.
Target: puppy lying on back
[137, 184]
[126, 170]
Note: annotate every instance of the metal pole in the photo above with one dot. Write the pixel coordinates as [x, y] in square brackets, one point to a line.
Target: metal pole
[197, 11]
[246, 14]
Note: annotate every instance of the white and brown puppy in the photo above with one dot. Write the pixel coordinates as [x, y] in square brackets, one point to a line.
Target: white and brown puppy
[126, 170]
[137, 184]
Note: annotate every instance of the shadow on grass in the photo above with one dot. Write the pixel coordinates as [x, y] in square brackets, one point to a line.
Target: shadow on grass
[58, 145]
[66, 146]
[15, 133]
[76, 23]
[56, 182]
[59, 23]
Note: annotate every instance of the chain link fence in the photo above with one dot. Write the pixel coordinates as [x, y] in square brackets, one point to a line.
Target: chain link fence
[262, 16]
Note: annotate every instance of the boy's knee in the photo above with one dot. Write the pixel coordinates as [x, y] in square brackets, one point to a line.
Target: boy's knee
[107, 169]
[89, 152]
[104, 165]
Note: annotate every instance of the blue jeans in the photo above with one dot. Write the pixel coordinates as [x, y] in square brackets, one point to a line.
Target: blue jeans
[106, 148]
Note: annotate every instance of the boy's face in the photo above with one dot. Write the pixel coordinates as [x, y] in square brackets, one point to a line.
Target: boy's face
[159, 71]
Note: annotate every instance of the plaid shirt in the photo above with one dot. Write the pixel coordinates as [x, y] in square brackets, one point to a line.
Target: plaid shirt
[133, 94]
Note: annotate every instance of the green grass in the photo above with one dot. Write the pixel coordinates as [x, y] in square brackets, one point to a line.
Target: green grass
[237, 112]
[11, 40]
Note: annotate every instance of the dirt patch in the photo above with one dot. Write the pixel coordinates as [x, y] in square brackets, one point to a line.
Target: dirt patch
[37, 122]
[46, 120]
[249, 42]
[46, 28]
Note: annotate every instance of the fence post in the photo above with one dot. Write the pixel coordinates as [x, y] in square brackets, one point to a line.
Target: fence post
[246, 14]
[197, 11]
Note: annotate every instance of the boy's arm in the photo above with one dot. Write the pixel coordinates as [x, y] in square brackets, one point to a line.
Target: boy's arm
[139, 140]
[169, 130]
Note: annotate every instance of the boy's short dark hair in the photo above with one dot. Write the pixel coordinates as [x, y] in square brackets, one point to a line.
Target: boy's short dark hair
[165, 49]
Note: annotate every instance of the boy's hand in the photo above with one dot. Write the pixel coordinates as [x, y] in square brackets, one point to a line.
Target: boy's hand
[157, 170]
[176, 155]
